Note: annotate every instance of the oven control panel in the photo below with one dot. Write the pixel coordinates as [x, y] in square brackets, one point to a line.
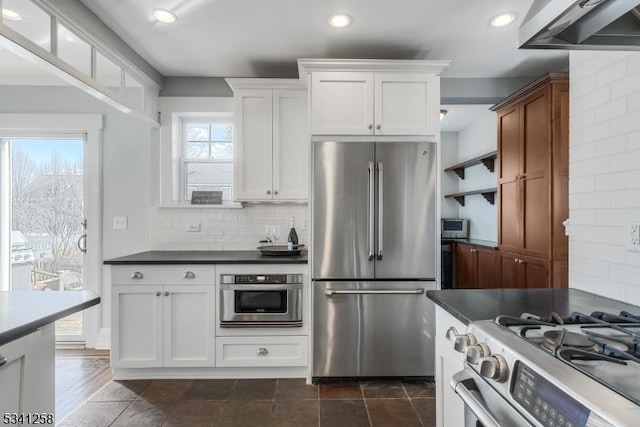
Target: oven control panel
[259, 279]
[548, 405]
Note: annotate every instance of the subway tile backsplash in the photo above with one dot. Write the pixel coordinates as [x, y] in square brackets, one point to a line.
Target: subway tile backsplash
[226, 229]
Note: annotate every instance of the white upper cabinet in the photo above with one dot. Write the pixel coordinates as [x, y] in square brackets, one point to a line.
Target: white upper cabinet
[351, 97]
[271, 142]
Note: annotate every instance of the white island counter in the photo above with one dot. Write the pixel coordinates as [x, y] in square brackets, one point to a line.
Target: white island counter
[27, 351]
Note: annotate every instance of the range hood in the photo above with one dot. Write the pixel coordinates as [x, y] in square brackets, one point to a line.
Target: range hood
[581, 24]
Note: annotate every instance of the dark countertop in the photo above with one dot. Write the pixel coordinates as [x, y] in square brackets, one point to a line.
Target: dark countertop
[478, 242]
[22, 312]
[468, 305]
[207, 257]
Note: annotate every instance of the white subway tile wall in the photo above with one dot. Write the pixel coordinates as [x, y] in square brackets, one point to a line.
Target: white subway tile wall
[604, 168]
[226, 229]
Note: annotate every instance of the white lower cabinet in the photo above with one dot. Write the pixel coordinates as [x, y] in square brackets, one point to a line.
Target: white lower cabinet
[163, 325]
[27, 375]
[449, 407]
[261, 351]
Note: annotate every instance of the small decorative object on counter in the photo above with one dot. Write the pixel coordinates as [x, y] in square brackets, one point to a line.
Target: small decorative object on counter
[292, 240]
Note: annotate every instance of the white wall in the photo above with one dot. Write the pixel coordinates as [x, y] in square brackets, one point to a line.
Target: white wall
[449, 153]
[126, 149]
[476, 139]
[604, 183]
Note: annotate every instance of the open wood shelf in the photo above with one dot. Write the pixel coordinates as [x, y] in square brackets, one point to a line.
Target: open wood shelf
[486, 159]
[487, 193]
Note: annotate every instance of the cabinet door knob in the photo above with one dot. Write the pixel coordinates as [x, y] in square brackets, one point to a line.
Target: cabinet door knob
[515, 260]
[166, 293]
[268, 191]
[3, 360]
[137, 275]
[378, 127]
[451, 333]
[520, 261]
[262, 351]
[370, 126]
[189, 275]
[158, 293]
[275, 191]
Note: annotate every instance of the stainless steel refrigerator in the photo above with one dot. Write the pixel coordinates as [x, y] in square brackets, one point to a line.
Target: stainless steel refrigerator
[373, 257]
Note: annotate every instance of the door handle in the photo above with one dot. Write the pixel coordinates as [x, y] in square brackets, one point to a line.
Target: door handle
[189, 275]
[372, 207]
[82, 243]
[472, 399]
[380, 209]
[331, 292]
[3, 361]
[262, 351]
[137, 275]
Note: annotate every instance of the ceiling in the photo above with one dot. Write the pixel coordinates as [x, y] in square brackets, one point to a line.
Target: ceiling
[264, 38]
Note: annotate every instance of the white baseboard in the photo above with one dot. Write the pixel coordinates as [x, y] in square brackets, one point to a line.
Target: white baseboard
[103, 340]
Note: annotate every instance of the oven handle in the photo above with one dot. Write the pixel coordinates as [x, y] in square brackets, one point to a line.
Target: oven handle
[262, 288]
[472, 399]
[330, 292]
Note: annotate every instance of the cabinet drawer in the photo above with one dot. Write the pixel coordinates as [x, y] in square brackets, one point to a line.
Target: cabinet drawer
[261, 351]
[163, 275]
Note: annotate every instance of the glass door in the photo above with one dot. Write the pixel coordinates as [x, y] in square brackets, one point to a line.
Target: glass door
[42, 214]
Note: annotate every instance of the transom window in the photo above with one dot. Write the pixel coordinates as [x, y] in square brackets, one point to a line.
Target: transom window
[207, 156]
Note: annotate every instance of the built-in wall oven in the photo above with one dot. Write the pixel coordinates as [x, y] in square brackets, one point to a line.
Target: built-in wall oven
[260, 300]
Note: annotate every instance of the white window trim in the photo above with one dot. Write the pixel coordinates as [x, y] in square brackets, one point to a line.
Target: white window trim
[167, 186]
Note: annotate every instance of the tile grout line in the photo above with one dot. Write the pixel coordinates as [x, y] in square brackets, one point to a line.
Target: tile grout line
[366, 407]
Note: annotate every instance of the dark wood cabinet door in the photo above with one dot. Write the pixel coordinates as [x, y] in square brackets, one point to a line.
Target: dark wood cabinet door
[510, 271]
[535, 272]
[536, 165]
[487, 268]
[465, 267]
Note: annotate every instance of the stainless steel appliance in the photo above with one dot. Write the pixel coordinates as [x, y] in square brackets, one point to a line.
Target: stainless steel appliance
[373, 258]
[260, 300]
[455, 228]
[581, 24]
[581, 370]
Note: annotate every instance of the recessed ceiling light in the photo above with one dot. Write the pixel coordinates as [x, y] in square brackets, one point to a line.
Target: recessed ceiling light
[164, 15]
[503, 19]
[10, 14]
[339, 21]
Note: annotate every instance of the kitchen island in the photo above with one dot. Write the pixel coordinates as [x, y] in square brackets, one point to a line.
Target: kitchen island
[27, 350]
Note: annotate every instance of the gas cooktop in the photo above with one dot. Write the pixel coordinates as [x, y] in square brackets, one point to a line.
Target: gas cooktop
[549, 370]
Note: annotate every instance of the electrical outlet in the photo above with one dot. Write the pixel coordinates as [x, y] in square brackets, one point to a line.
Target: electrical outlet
[119, 222]
[193, 227]
[634, 236]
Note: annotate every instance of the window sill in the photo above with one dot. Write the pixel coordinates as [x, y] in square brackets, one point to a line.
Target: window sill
[234, 205]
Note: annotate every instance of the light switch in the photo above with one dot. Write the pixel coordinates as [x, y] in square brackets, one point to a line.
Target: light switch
[119, 222]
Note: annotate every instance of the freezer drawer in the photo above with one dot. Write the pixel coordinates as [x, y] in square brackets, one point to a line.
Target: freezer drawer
[373, 329]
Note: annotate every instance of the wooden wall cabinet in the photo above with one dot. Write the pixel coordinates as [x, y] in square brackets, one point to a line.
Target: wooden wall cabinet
[533, 155]
[475, 267]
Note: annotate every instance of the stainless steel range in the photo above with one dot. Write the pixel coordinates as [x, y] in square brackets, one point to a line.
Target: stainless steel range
[576, 371]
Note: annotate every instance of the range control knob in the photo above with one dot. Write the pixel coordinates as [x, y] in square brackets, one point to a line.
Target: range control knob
[477, 352]
[494, 367]
[463, 341]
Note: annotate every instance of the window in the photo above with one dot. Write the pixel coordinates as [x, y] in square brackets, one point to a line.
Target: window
[207, 156]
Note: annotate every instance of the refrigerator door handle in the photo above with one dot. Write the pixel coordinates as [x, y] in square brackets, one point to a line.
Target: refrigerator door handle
[372, 183]
[380, 210]
[331, 292]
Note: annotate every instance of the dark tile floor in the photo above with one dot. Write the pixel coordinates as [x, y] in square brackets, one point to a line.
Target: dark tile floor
[258, 402]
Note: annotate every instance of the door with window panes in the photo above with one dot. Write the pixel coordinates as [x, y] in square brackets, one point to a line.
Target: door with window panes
[207, 156]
